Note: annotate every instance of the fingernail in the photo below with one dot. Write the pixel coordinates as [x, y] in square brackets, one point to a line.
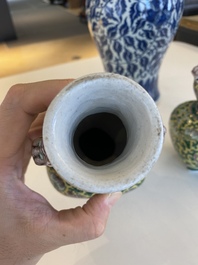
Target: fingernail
[113, 198]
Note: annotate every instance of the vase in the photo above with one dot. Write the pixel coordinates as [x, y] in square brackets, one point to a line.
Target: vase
[101, 134]
[132, 36]
[183, 126]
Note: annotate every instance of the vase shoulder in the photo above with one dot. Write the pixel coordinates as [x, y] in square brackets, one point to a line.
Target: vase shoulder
[184, 116]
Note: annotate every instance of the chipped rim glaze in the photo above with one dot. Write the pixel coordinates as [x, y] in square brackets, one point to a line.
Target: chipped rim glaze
[97, 93]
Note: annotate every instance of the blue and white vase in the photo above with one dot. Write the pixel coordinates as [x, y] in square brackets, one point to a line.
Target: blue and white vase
[132, 36]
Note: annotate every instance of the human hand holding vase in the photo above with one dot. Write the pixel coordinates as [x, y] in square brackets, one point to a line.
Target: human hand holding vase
[29, 225]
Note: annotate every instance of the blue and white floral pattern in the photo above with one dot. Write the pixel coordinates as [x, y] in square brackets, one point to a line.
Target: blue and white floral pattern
[132, 36]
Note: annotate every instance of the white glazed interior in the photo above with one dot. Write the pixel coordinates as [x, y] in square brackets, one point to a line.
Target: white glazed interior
[96, 93]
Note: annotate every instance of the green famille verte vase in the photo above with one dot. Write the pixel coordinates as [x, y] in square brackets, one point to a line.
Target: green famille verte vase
[101, 134]
[183, 126]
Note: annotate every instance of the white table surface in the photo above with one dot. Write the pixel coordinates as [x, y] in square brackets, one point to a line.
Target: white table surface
[156, 224]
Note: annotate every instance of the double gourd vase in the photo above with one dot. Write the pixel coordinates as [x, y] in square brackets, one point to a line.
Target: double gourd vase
[132, 36]
[183, 126]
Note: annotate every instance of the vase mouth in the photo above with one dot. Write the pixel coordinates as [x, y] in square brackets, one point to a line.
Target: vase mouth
[103, 97]
[100, 138]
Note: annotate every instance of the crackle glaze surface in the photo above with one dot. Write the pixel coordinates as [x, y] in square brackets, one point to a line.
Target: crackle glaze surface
[132, 36]
[184, 132]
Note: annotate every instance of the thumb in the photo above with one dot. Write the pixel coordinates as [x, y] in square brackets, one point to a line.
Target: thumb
[87, 222]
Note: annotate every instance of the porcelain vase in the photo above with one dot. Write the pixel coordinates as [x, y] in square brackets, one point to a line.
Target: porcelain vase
[132, 36]
[183, 126]
[101, 134]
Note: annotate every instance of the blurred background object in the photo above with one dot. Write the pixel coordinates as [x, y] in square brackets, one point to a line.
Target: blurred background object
[7, 31]
[188, 29]
[47, 34]
[191, 7]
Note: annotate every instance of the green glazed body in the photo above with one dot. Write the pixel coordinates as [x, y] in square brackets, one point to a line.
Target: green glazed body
[183, 125]
[66, 189]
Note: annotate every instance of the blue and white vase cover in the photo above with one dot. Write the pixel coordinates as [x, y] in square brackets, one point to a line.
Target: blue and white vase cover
[132, 36]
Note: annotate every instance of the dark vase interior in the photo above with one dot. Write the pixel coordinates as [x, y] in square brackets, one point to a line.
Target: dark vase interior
[100, 138]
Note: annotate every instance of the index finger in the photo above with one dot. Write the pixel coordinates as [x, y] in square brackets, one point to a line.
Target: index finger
[18, 110]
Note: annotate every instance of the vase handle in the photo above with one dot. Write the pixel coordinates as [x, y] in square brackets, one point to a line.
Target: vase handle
[195, 84]
[38, 153]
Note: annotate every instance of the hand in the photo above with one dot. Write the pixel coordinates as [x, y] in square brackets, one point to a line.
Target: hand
[29, 225]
